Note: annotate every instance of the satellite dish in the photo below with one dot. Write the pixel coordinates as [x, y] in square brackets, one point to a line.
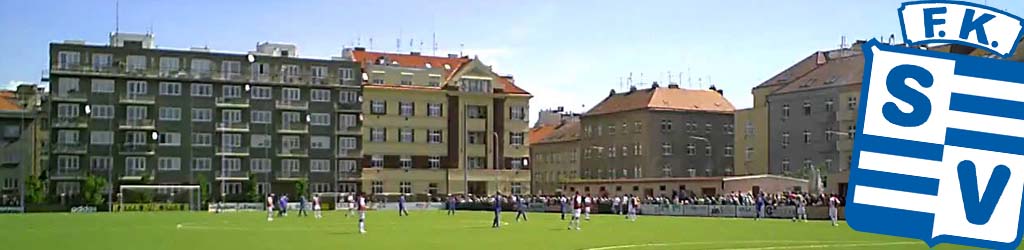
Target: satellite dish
[251, 58]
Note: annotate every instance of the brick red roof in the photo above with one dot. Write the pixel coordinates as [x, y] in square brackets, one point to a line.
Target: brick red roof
[566, 131]
[539, 133]
[837, 72]
[660, 98]
[9, 101]
[420, 61]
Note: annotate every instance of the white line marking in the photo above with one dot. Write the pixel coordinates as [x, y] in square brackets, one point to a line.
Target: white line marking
[844, 244]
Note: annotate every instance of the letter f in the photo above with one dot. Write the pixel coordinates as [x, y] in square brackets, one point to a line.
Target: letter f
[930, 21]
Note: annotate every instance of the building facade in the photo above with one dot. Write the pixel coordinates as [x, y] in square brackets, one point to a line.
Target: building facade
[438, 125]
[555, 150]
[17, 141]
[658, 132]
[136, 114]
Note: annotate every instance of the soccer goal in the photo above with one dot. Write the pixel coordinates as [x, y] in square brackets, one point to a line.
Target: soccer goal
[159, 198]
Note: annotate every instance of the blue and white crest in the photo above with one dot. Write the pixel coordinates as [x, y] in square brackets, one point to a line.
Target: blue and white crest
[964, 23]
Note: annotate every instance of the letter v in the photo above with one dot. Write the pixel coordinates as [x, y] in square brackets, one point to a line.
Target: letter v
[979, 211]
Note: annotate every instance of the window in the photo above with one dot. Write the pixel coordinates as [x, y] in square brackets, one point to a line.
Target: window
[231, 140]
[851, 103]
[69, 188]
[170, 114]
[290, 165]
[68, 60]
[434, 80]
[67, 86]
[169, 65]
[749, 153]
[406, 79]
[707, 150]
[67, 162]
[517, 188]
[170, 139]
[475, 85]
[378, 135]
[102, 86]
[102, 62]
[828, 164]
[516, 138]
[378, 77]
[261, 93]
[290, 72]
[405, 162]
[434, 162]
[201, 67]
[728, 151]
[101, 137]
[434, 136]
[611, 129]
[785, 165]
[666, 125]
[346, 121]
[231, 91]
[202, 90]
[230, 69]
[807, 137]
[320, 95]
[406, 109]
[807, 108]
[517, 113]
[476, 162]
[345, 73]
[851, 131]
[170, 88]
[232, 188]
[135, 138]
[320, 119]
[260, 71]
[828, 105]
[785, 139]
[476, 112]
[136, 63]
[320, 142]
[728, 128]
[261, 117]
[290, 142]
[666, 149]
[516, 163]
[691, 149]
[101, 163]
[202, 115]
[750, 129]
[319, 165]
[169, 164]
[378, 107]
[135, 163]
[202, 164]
[260, 165]
[785, 111]
[346, 96]
[260, 141]
[807, 163]
[377, 187]
[103, 111]
[346, 166]
[67, 137]
[377, 161]
[202, 139]
[637, 126]
[67, 110]
[707, 128]
[346, 142]
[405, 135]
[434, 109]
[475, 138]
[291, 94]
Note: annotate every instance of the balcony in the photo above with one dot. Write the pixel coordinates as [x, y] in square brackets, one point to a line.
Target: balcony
[75, 149]
[293, 128]
[136, 149]
[67, 174]
[353, 107]
[233, 127]
[348, 153]
[349, 130]
[232, 151]
[137, 99]
[232, 175]
[137, 124]
[293, 153]
[290, 175]
[135, 174]
[232, 102]
[71, 122]
[348, 176]
[229, 76]
[292, 105]
[81, 97]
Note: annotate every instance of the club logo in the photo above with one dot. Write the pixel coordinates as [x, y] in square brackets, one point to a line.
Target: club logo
[939, 154]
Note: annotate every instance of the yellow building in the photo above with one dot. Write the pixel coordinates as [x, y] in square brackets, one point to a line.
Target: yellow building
[441, 125]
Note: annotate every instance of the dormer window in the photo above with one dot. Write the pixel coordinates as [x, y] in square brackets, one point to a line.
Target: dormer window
[476, 85]
[447, 66]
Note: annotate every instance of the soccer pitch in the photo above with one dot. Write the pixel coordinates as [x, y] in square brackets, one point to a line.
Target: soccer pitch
[422, 230]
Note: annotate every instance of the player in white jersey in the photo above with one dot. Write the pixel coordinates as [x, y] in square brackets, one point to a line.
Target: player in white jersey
[361, 203]
[270, 207]
[801, 210]
[316, 207]
[833, 210]
[587, 202]
[577, 207]
[633, 203]
[616, 202]
[351, 206]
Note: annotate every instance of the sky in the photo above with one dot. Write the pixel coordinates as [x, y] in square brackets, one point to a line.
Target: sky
[566, 53]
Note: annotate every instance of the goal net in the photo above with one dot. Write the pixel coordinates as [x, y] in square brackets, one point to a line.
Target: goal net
[135, 198]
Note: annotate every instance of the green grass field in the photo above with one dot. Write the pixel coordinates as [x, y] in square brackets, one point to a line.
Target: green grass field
[422, 230]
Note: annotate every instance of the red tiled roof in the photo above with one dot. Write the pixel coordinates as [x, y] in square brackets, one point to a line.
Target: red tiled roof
[8, 101]
[510, 86]
[420, 61]
[672, 98]
[567, 131]
[837, 72]
[539, 133]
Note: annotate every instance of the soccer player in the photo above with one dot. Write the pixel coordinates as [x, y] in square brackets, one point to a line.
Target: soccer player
[302, 206]
[270, 207]
[451, 204]
[401, 206]
[497, 211]
[351, 206]
[616, 202]
[801, 210]
[562, 205]
[520, 208]
[577, 206]
[626, 203]
[759, 207]
[361, 203]
[587, 202]
[282, 204]
[833, 210]
[316, 207]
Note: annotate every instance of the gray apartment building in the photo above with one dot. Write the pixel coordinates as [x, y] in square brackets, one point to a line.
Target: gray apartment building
[658, 132]
[138, 114]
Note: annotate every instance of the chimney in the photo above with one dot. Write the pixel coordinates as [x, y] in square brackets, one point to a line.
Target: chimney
[453, 55]
[611, 93]
[360, 49]
[654, 85]
[632, 89]
[720, 92]
[414, 53]
[673, 86]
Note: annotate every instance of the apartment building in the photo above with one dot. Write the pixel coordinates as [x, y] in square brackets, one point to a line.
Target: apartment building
[138, 114]
[658, 132]
[17, 140]
[555, 150]
[441, 124]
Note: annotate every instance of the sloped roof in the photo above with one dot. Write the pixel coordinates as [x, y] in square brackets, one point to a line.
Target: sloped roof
[837, 72]
[795, 71]
[9, 101]
[539, 133]
[660, 98]
[567, 131]
[454, 64]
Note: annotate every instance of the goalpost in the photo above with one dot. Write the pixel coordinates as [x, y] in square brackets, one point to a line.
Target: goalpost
[159, 198]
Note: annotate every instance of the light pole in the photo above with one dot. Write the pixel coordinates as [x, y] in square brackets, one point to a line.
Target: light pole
[497, 162]
[705, 139]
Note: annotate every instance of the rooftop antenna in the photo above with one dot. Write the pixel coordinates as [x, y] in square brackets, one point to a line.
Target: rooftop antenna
[680, 78]
[410, 44]
[398, 42]
[359, 40]
[421, 46]
[641, 78]
[669, 74]
[371, 43]
[621, 84]
[117, 16]
[629, 80]
[434, 37]
[689, 77]
[842, 44]
[462, 46]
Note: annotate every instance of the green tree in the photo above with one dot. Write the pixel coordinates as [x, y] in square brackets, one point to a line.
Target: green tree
[301, 187]
[253, 192]
[35, 191]
[92, 190]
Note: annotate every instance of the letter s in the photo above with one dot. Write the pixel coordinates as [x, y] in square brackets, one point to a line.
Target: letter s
[896, 82]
